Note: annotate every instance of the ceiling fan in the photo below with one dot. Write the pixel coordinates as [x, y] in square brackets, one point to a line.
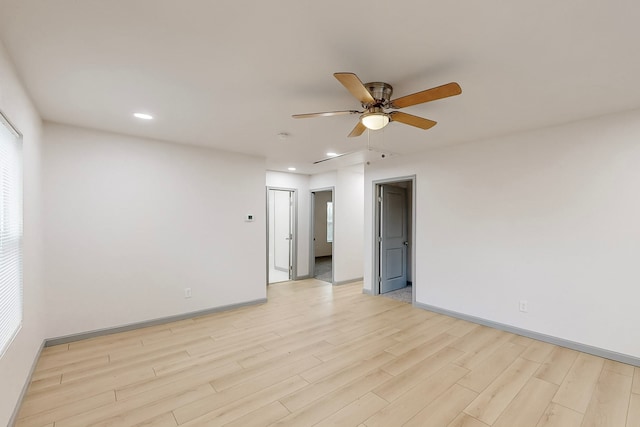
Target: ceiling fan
[375, 98]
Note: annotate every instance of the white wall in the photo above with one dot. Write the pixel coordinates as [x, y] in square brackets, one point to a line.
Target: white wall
[323, 181]
[348, 243]
[132, 222]
[300, 183]
[17, 361]
[348, 249]
[549, 216]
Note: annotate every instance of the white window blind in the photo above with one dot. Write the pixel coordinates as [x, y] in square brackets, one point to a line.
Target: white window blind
[10, 233]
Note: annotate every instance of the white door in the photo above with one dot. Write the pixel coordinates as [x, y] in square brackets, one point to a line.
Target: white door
[280, 205]
[282, 230]
[393, 238]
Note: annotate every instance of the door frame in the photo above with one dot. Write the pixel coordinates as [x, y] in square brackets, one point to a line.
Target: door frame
[376, 226]
[293, 256]
[312, 249]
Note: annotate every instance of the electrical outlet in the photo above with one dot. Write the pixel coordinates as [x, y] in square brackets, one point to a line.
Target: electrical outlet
[187, 292]
[524, 306]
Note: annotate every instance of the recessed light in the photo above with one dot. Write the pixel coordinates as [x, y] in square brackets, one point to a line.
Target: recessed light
[291, 169]
[143, 116]
[332, 154]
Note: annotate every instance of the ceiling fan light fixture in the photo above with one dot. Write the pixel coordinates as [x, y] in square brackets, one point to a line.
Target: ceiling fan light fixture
[375, 121]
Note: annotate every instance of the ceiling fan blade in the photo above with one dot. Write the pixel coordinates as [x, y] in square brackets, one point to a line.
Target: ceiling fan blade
[357, 131]
[410, 119]
[355, 86]
[325, 114]
[444, 91]
[333, 157]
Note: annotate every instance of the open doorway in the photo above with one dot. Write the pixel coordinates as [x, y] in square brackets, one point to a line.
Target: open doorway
[322, 217]
[394, 237]
[280, 234]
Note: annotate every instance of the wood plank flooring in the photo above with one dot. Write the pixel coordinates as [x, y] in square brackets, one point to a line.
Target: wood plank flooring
[317, 355]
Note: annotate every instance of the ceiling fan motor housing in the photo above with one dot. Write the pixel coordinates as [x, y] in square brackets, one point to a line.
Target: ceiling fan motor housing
[381, 92]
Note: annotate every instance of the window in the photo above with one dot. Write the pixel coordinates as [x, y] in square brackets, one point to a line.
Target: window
[10, 233]
[329, 222]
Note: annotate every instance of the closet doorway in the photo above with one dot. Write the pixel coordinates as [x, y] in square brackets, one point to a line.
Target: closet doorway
[322, 217]
[394, 228]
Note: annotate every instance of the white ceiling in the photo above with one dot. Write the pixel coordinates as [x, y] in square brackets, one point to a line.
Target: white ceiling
[229, 74]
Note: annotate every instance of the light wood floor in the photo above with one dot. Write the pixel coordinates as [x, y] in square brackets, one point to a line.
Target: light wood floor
[317, 355]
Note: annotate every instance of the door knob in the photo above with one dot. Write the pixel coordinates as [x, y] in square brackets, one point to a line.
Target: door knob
[406, 243]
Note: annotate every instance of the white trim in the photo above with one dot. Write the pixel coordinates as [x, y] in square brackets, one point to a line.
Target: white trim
[5, 121]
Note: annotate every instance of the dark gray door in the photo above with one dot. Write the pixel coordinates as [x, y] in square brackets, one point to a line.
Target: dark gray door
[393, 238]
